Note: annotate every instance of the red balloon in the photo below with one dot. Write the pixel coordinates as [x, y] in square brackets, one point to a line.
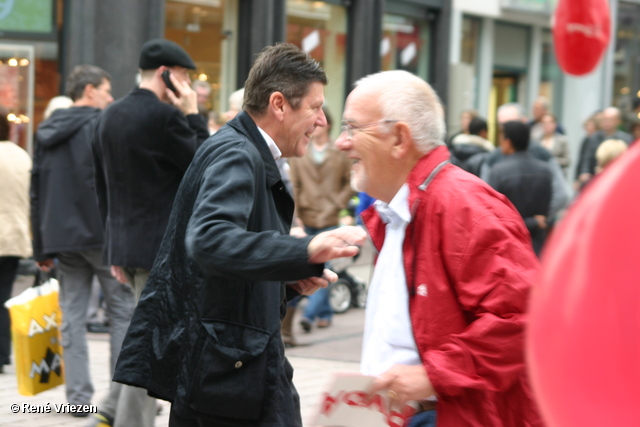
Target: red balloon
[581, 33]
[583, 338]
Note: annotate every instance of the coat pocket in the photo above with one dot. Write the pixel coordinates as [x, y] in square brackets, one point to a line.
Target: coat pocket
[230, 376]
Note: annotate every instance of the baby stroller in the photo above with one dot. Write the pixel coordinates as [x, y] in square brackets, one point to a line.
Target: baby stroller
[348, 291]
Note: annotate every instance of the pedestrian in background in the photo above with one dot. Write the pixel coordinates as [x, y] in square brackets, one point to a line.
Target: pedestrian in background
[560, 191]
[469, 151]
[609, 151]
[66, 225]
[554, 141]
[143, 145]
[212, 307]
[524, 180]
[321, 182]
[15, 239]
[444, 323]
[609, 123]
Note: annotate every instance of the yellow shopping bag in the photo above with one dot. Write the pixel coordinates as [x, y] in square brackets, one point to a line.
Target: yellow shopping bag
[35, 330]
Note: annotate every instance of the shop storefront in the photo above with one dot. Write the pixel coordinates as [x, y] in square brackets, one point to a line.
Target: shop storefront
[626, 66]
[42, 40]
[320, 29]
[28, 62]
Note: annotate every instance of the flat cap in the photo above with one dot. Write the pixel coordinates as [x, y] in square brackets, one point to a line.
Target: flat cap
[158, 52]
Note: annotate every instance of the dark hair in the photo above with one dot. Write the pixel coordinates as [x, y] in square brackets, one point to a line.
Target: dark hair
[83, 75]
[283, 68]
[518, 133]
[4, 124]
[477, 125]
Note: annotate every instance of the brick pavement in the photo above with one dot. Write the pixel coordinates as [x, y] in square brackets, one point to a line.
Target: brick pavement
[310, 376]
[335, 349]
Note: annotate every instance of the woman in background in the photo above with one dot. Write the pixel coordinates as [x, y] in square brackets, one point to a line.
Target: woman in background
[15, 240]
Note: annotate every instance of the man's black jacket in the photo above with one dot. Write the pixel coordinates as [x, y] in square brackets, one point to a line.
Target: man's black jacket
[206, 332]
[526, 181]
[64, 208]
[142, 148]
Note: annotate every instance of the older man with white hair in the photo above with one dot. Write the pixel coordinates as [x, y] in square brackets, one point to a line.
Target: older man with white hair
[445, 315]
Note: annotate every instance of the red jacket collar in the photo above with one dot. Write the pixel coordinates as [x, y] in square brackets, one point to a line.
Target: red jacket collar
[417, 176]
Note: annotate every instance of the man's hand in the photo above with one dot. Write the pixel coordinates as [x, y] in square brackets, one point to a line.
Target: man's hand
[187, 102]
[47, 265]
[338, 243]
[118, 274]
[405, 383]
[584, 177]
[312, 284]
[542, 221]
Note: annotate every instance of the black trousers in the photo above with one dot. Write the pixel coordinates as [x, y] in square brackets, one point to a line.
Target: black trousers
[8, 271]
[177, 420]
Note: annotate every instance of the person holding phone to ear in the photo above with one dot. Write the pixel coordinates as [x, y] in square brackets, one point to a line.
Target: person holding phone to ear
[142, 147]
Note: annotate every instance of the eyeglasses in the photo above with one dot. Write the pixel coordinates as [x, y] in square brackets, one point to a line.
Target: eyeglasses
[351, 129]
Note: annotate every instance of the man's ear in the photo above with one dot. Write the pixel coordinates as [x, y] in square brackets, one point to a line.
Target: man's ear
[277, 104]
[403, 141]
[88, 91]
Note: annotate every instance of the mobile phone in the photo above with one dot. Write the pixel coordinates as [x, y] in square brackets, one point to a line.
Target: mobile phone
[167, 81]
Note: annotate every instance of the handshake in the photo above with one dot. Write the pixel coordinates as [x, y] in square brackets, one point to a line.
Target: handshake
[338, 243]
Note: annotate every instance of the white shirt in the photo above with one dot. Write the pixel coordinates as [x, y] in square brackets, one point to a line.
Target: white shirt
[275, 151]
[388, 336]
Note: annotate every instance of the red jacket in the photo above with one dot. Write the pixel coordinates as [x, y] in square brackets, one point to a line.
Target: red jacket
[469, 267]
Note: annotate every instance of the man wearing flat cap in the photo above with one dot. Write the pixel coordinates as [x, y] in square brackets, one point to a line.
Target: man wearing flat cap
[143, 144]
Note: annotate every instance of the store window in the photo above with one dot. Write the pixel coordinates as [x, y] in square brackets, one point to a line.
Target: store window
[197, 26]
[626, 84]
[319, 28]
[16, 90]
[29, 75]
[405, 44]
[551, 75]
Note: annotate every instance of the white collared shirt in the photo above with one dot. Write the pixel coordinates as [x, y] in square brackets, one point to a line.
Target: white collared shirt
[275, 151]
[388, 336]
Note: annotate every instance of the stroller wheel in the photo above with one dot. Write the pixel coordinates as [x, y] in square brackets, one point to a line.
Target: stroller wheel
[340, 296]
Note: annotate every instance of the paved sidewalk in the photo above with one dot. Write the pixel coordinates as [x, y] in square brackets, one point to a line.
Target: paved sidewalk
[334, 349]
[310, 376]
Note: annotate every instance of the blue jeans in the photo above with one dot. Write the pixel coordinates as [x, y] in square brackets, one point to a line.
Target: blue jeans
[318, 305]
[424, 419]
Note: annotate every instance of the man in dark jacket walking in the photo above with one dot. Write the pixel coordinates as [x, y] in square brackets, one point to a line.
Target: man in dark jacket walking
[525, 180]
[66, 224]
[143, 145]
[211, 309]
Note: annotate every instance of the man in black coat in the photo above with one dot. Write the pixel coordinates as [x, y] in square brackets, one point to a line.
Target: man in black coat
[143, 144]
[206, 332]
[609, 123]
[66, 224]
[524, 180]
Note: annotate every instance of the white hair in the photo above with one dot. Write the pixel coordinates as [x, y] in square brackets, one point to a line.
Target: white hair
[510, 111]
[236, 100]
[406, 97]
[56, 103]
